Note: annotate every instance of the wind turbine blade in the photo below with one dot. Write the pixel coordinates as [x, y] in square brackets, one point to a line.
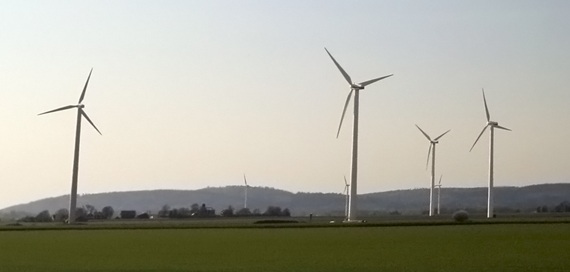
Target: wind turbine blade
[365, 83]
[478, 137]
[89, 120]
[429, 152]
[59, 109]
[486, 108]
[345, 182]
[344, 111]
[346, 76]
[440, 180]
[441, 135]
[425, 134]
[497, 126]
[245, 180]
[85, 88]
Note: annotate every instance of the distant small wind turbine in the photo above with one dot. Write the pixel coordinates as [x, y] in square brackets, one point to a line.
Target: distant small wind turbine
[354, 88]
[432, 151]
[492, 125]
[80, 113]
[439, 194]
[246, 187]
[346, 190]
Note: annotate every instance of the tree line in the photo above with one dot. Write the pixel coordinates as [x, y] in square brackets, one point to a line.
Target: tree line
[89, 212]
[564, 206]
[196, 210]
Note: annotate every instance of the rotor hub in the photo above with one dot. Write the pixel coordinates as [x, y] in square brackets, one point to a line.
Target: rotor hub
[356, 86]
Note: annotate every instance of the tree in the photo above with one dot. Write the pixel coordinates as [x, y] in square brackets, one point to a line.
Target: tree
[564, 206]
[108, 212]
[61, 215]
[243, 212]
[203, 210]
[44, 216]
[273, 211]
[164, 211]
[184, 213]
[286, 212]
[228, 212]
[80, 215]
[195, 208]
[90, 209]
[173, 213]
[99, 215]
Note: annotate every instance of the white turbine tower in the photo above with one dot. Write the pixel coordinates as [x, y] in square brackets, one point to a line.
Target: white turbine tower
[431, 150]
[346, 190]
[354, 88]
[80, 113]
[492, 125]
[439, 194]
[246, 186]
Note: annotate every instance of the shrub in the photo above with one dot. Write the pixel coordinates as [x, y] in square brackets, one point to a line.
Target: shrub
[460, 216]
[275, 221]
[108, 212]
[44, 216]
[243, 212]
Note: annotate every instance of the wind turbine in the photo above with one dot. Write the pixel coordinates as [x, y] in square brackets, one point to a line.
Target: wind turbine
[246, 186]
[492, 125]
[432, 151]
[346, 186]
[438, 194]
[354, 88]
[80, 113]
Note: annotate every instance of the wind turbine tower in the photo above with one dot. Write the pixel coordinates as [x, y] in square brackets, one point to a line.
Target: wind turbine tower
[354, 88]
[80, 113]
[439, 194]
[245, 193]
[346, 190]
[431, 150]
[492, 125]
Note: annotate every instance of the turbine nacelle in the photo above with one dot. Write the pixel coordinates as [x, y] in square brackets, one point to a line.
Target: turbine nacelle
[81, 106]
[492, 123]
[355, 86]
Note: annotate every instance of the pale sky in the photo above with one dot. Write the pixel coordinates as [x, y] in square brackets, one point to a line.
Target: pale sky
[190, 94]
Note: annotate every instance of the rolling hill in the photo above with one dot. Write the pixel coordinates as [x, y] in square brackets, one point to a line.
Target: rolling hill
[413, 201]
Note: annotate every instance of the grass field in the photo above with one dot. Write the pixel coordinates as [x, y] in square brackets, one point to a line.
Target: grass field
[498, 247]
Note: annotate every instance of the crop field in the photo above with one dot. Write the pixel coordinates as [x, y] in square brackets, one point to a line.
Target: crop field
[497, 247]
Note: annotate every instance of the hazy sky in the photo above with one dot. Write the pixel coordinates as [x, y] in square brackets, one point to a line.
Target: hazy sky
[190, 94]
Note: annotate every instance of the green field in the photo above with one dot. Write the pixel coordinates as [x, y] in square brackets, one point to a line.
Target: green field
[497, 247]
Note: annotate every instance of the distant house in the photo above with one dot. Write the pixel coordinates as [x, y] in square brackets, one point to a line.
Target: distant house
[143, 216]
[128, 214]
[206, 211]
[210, 211]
